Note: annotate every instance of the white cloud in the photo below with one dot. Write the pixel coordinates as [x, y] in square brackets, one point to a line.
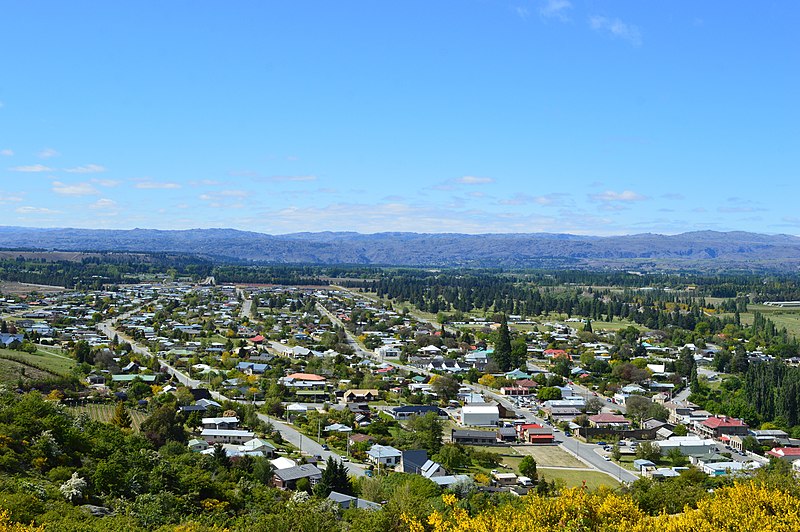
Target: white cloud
[156, 185]
[6, 153]
[624, 196]
[617, 28]
[9, 199]
[47, 153]
[233, 193]
[522, 12]
[108, 183]
[104, 204]
[31, 168]
[292, 178]
[473, 180]
[27, 209]
[543, 200]
[74, 189]
[86, 169]
[555, 9]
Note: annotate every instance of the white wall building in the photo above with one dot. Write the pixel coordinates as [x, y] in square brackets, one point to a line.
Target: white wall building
[480, 415]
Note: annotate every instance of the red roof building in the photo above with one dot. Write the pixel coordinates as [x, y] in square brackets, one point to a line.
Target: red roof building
[718, 426]
[535, 433]
[606, 420]
[785, 453]
[555, 353]
[257, 339]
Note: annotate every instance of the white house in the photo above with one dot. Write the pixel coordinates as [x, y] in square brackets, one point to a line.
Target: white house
[238, 437]
[384, 455]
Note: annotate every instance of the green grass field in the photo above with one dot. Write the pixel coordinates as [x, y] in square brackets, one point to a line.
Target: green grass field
[576, 477]
[781, 317]
[48, 360]
[11, 372]
[104, 413]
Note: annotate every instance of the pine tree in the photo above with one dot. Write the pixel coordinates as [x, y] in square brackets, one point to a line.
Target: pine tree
[695, 382]
[502, 350]
[122, 418]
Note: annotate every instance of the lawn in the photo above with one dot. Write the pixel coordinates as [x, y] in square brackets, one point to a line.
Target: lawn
[11, 372]
[43, 359]
[105, 412]
[48, 362]
[577, 477]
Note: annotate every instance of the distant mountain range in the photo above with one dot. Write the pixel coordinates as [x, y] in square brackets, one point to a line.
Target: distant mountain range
[702, 250]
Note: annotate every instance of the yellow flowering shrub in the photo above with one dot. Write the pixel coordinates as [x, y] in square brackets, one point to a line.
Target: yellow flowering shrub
[7, 526]
[741, 507]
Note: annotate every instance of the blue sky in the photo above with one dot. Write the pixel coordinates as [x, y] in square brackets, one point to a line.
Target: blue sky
[474, 116]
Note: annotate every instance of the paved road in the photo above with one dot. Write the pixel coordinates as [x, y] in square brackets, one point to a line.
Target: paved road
[247, 304]
[307, 445]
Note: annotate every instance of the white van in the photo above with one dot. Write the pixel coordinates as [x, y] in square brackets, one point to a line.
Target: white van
[525, 481]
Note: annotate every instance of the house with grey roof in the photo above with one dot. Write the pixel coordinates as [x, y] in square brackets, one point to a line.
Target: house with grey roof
[286, 479]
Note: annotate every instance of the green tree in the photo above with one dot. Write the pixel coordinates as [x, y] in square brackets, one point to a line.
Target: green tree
[648, 451]
[163, 425]
[527, 467]
[637, 407]
[502, 349]
[676, 457]
[519, 352]
[616, 452]
[334, 478]
[548, 393]
[452, 456]
[445, 388]
[424, 432]
[121, 418]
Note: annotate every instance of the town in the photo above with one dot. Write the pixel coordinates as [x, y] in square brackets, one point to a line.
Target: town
[331, 391]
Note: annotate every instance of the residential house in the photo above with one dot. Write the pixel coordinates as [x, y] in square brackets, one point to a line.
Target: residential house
[687, 445]
[360, 396]
[473, 437]
[252, 368]
[213, 436]
[405, 412]
[347, 502]
[606, 420]
[286, 479]
[220, 422]
[303, 380]
[385, 455]
[535, 433]
[447, 365]
[784, 453]
[506, 435]
[431, 469]
[411, 461]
